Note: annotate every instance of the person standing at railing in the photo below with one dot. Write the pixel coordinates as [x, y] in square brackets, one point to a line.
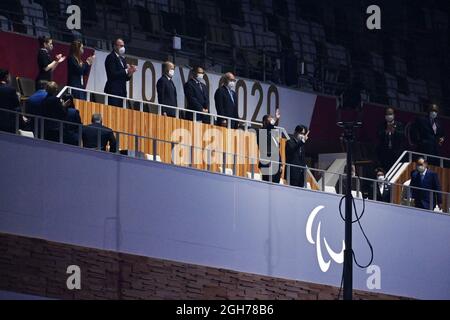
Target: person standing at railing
[91, 134]
[226, 101]
[118, 73]
[197, 95]
[54, 108]
[167, 92]
[391, 140]
[429, 133]
[382, 189]
[8, 100]
[295, 156]
[424, 178]
[268, 140]
[46, 63]
[77, 69]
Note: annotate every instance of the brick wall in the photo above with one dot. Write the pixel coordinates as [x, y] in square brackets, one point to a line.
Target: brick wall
[38, 267]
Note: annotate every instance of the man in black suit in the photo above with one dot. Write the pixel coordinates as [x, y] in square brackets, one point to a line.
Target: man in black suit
[8, 100]
[382, 189]
[91, 134]
[118, 73]
[429, 132]
[391, 140]
[226, 101]
[197, 95]
[268, 140]
[167, 93]
[295, 155]
[424, 178]
[54, 108]
[71, 135]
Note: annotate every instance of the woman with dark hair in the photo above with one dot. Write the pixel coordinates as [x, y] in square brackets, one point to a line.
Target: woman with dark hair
[77, 69]
[46, 63]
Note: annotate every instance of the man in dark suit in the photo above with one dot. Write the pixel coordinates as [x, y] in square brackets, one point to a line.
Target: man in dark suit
[429, 132]
[391, 140]
[197, 95]
[118, 73]
[33, 106]
[268, 141]
[71, 135]
[295, 155]
[91, 135]
[424, 178]
[8, 100]
[226, 101]
[382, 189]
[54, 108]
[167, 93]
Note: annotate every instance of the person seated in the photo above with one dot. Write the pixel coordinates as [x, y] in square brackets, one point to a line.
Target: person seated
[71, 135]
[53, 108]
[92, 132]
[9, 101]
[33, 106]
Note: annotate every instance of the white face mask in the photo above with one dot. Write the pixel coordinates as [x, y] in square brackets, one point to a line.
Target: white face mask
[171, 73]
[232, 85]
[390, 118]
[433, 115]
[122, 51]
[381, 178]
[421, 169]
[272, 122]
[200, 76]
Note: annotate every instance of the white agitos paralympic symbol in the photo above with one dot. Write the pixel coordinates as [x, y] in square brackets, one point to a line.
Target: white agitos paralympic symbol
[337, 257]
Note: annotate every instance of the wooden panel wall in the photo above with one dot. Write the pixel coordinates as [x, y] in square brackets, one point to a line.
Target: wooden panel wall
[185, 132]
[178, 133]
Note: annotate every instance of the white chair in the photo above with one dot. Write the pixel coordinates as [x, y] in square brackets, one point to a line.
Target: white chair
[28, 134]
[150, 157]
[228, 171]
[256, 176]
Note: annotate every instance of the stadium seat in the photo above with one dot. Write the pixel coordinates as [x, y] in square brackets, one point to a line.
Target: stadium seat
[28, 134]
[26, 86]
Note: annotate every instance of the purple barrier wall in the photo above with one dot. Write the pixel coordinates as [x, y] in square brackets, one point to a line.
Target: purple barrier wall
[88, 198]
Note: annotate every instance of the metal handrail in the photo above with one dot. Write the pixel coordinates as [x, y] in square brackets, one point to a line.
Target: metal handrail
[410, 158]
[178, 110]
[252, 160]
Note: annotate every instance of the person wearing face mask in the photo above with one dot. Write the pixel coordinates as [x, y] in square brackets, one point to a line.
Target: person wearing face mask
[382, 189]
[295, 155]
[391, 140]
[269, 153]
[429, 133]
[226, 101]
[118, 73]
[167, 93]
[197, 95]
[424, 178]
[77, 69]
[46, 64]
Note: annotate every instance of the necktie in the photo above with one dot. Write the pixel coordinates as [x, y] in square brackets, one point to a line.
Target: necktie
[231, 95]
[434, 127]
